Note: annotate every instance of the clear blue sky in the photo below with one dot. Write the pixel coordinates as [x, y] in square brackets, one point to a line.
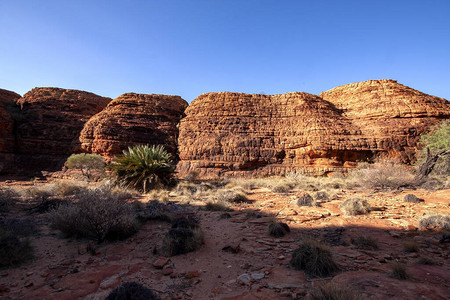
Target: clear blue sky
[189, 47]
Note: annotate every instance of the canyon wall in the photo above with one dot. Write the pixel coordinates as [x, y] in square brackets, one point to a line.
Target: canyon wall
[233, 134]
[9, 113]
[133, 119]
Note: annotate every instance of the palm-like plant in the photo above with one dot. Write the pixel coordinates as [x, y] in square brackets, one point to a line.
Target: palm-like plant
[144, 167]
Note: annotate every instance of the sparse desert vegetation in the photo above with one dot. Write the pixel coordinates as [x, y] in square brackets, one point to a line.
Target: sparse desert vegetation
[198, 227]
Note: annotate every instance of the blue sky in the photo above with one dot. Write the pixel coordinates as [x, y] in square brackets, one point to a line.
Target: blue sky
[187, 48]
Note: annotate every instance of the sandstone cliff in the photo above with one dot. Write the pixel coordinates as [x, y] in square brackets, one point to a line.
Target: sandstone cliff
[52, 119]
[134, 119]
[241, 134]
[9, 114]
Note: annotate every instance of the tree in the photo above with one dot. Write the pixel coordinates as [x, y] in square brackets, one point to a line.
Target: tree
[86, 163]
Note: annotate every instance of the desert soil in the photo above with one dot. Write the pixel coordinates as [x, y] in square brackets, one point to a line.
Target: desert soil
[65, 269]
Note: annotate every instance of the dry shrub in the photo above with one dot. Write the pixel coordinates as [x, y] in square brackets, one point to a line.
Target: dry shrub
[217, 206]
[398, 271]
[313, 258]
[355, 206]
[15, 247]
[232, 196]
[8, 198]
[425, 261]
[385, 174]
[410, 246]
[278, 229]
[184, 236]
[132, 290]
[334, 291]
[306, 200]
[439, 222]
[322, 196]
[98, 214]
[67, 188]
[365, 242]
[412, 198]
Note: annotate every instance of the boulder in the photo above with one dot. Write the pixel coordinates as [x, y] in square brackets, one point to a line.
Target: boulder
[133, 119]
[52, 119]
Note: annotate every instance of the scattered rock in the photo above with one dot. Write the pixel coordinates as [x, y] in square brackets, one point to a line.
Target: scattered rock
[160, 262]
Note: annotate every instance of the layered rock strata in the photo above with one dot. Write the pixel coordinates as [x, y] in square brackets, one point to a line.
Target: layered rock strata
[240, 134]
[133, 119]
[51, 122]
[9, 115]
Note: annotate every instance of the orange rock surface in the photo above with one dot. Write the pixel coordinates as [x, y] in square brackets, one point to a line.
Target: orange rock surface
[134, 119]
[7, 140]
[246, 135]
[52, 119]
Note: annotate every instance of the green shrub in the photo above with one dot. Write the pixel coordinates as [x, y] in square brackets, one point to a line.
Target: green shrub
[98, 214]
[437, 139]
[355, 206]
[313, 258]
[144, 168]
[86, 163]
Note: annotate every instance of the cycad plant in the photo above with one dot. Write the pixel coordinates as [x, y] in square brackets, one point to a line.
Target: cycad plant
[144, 167]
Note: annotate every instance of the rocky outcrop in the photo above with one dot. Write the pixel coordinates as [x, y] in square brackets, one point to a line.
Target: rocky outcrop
[394, 114]
[133, 119]
[9, 114]
[52, 119]
[241, 134]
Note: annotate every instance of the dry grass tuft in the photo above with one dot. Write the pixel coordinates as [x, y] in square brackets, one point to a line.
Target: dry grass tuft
[306, 200]
[439, 222]
[411, 246]
[334, 291]
[398, 271]
[313, 258]
[184, 236]
[365, 242]
[278, 229]
[355, 206]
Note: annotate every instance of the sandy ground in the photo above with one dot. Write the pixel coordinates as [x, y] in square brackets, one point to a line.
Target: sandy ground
[64, 269]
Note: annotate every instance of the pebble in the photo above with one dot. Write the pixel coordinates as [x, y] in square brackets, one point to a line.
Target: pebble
[244, 278]
[258, 276]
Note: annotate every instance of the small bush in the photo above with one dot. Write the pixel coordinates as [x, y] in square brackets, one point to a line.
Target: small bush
[278, 229]
[412, 198]
[144, 168]
[439, 222]
[86, 163]
[426, 261]
[334, 291]
[40, 193]
[323, 196]
[365, 242]
[410, 246]
[355, 206]
[398, 271]
[7, 198]
[132, 291]
[68, 188]
[306, 200]
[232, 196]
[437, 139]
[217, 206]
[313, 258]
[184, 236]
[13, 249]
[98, 215]
[384, 174]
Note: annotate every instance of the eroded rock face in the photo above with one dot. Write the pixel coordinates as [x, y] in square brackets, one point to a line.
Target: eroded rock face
[133, 119]
[52, 119]
[394, 114]
[247, 135]
[9, 113]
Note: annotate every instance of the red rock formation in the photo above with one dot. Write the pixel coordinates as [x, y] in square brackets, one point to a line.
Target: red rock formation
[8, 111]
[52, 119]
[394, 114]
[134, 119]
[241, 134]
